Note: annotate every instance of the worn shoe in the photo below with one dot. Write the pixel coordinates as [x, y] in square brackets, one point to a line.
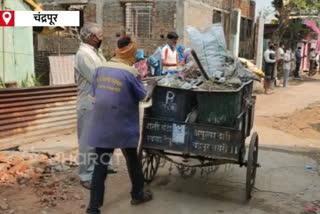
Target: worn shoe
[93, 211]
[86, 184]
[147, 196]
[112, 171]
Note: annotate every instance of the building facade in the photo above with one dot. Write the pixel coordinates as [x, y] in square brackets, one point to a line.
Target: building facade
[16, 48]
[149, 21]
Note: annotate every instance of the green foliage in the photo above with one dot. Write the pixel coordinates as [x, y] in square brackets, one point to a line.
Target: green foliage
[307, 4]
[288, 26]
[31, 81]
[25, 83]
[36, 80]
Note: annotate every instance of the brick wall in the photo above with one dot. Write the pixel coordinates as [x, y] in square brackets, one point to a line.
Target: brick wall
[221, 4]
[247, 7]
[163, 21]
[252, 9]
[89, 13]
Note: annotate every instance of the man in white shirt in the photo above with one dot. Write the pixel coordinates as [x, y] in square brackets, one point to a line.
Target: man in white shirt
[286, 67]
[87, 58]
[169, 53]
[280, 58]
[270, 61]
[313, 62]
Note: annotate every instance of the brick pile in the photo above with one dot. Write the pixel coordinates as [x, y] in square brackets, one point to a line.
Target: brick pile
[19, 167]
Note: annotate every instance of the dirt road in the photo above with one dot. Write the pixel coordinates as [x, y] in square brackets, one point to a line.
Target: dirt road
[287, 122]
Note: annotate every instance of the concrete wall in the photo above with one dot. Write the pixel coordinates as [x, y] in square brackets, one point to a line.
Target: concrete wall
[16, 47]
[197, 14]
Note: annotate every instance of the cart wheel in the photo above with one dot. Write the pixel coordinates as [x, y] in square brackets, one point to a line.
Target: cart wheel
[150, 164]
[186, 172]
[252, 164]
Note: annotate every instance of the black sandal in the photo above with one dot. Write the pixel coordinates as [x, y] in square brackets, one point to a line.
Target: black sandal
[147, 196]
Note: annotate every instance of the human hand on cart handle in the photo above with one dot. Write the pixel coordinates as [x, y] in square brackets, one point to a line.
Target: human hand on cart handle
[151, 84]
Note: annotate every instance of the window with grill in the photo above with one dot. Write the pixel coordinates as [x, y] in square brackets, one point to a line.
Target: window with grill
[217, 17]
[246, 29]
[139, 19]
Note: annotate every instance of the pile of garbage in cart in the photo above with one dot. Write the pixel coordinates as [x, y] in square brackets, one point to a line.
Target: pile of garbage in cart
[207, 65]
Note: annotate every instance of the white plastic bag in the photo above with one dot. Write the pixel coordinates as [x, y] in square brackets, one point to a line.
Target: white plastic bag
[210, 46]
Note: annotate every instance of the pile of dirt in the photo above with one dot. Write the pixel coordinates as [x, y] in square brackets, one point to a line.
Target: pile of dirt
[48, 180]
[20, 167]
[303, 123]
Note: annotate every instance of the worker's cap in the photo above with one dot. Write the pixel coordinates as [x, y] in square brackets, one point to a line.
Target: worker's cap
[172, 35]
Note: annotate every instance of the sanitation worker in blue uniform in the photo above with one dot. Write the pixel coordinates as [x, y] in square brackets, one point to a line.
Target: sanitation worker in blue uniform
[117, 91]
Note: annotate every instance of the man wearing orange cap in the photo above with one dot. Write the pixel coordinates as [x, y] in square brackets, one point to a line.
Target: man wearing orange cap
[117, 91]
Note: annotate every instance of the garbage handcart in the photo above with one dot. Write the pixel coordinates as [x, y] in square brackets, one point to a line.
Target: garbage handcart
[209, 127]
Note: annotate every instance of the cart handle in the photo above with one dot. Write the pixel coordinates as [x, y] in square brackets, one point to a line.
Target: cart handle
[203, 72]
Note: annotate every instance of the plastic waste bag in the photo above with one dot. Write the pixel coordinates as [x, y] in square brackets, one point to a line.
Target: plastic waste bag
[140, 54]
[155, 63]
[210, 46]
[235, 69]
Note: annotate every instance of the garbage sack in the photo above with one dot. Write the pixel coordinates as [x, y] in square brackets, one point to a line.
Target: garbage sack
[180, 53]
[233, 68]
[155, 63]
[210, 46]
[140, 54]
[188, 56]
[142, 68]
[252, 67]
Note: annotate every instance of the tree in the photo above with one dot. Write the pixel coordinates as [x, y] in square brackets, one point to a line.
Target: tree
[283, 16]
[307, 4]
[287, 26]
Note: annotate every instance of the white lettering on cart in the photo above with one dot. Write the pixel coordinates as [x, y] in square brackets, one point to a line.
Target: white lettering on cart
[208, 135]
[205, 147]
[213, 118]
[170, 97]
[154, 139]
[153, 126]
[158, 127]
[158, 139]
[166, 128]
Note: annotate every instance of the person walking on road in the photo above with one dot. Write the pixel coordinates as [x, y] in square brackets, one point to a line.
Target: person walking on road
[117, 90]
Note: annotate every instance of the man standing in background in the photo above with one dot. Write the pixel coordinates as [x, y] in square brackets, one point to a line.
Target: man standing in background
[280, 61]
[169, 53]
[298, 62]
[86, 59]
[270, 61]
[286, 67]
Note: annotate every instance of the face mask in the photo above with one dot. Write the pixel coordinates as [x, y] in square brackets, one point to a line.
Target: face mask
[99, 44]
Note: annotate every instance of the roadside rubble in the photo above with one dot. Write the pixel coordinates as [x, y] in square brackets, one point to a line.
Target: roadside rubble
[19, 167]
[50, 177]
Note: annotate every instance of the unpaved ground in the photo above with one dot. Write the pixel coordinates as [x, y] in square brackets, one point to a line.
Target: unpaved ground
[283, 185]
[303, 123]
